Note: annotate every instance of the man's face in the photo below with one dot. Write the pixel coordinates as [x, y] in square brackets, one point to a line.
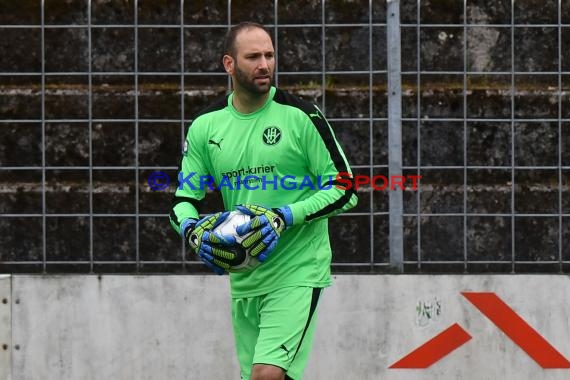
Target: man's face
[254, 61]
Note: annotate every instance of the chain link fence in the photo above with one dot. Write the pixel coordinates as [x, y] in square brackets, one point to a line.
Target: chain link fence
[470, 95]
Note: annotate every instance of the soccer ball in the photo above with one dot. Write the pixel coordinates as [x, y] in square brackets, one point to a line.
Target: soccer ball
[243, 261]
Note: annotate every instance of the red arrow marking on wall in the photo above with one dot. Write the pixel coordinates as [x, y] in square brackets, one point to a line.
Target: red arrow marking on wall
[517, 329]
[435, 348]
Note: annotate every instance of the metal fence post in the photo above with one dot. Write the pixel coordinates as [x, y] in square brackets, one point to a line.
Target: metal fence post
[395, 131]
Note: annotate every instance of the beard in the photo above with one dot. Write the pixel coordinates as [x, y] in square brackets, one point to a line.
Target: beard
[247, 83]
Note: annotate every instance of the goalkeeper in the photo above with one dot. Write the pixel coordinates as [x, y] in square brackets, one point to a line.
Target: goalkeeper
[260, 126]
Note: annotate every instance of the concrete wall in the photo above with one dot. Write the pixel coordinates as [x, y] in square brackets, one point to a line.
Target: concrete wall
[178, 327]
[5, 328]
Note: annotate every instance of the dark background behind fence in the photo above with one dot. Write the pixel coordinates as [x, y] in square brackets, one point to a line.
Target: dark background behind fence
[95, 96]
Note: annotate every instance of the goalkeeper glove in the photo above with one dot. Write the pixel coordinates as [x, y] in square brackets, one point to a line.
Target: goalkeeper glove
[267, 225]
[209, 246]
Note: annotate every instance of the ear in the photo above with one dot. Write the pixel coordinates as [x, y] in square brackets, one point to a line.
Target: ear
[228, 63]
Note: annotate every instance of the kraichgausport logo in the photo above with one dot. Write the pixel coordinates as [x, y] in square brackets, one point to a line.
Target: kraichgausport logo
[271, 135]
[261, 178]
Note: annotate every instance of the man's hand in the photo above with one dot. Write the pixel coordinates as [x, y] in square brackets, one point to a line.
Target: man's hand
[267, 225]
[209, 246]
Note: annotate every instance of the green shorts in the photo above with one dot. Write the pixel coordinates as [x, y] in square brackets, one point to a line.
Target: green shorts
[275, 328]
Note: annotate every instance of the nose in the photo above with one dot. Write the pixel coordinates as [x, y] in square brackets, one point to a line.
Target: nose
[262, 64]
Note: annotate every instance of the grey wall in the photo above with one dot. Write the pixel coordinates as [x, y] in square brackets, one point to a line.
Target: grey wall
[5, 328]
[178, 327]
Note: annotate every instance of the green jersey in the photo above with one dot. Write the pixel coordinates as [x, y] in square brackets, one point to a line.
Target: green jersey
[285, 153]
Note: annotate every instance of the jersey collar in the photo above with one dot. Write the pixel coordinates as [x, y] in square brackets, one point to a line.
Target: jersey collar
[253, 114]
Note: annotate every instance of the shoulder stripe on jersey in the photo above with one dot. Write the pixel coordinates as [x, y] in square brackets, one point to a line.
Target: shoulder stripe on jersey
[287, 99]
[336, 205]
[174, 218]
[178, 199]
[318, 120]
[217, 105]
[196, 203]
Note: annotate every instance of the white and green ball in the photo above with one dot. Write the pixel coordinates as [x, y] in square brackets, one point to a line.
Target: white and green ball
[243, 261]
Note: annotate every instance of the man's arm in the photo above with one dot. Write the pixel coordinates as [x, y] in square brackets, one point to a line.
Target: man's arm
[326, 161]
[189, 194]
[190, 191]
[185, 210]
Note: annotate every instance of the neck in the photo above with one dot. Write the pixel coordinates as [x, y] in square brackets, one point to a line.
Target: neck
[247, 102]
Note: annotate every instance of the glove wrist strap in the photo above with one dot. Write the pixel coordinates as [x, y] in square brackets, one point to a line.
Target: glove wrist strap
[278, 212]
[187, 226]
[285, 214]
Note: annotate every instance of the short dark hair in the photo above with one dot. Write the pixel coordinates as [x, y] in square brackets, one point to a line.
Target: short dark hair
[230, 42]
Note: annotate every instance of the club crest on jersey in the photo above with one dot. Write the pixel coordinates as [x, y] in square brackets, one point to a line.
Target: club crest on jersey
[185, 148]
[271, 135]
